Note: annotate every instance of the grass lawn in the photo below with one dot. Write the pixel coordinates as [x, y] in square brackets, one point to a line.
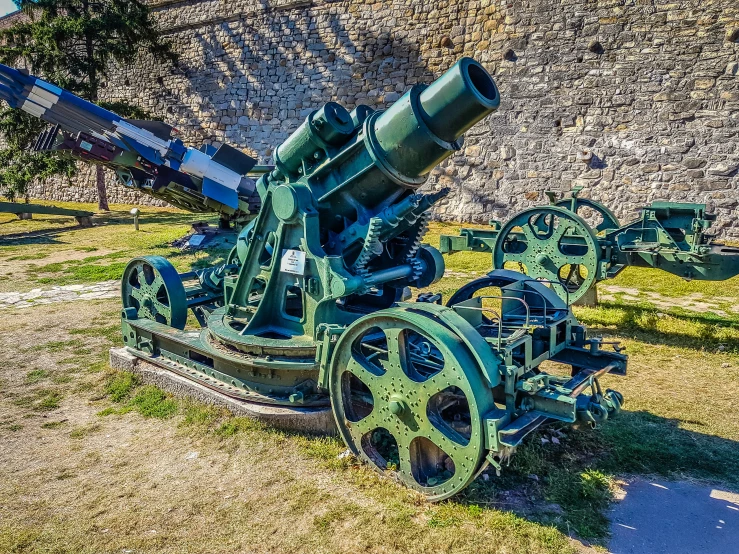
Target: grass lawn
[93, 461]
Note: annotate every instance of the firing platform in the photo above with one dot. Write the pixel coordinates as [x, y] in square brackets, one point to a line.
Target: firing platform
[305, 420]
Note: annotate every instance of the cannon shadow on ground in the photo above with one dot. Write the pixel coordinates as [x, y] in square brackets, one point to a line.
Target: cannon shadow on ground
[60, 225]
[551, 483]
[712, 332]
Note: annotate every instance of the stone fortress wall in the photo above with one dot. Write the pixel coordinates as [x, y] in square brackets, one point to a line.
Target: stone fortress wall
[636, 100]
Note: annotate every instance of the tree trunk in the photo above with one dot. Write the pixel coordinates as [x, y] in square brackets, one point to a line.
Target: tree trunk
[102, 193]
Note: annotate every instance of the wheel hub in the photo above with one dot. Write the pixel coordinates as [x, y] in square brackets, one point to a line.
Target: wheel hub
[551, 244]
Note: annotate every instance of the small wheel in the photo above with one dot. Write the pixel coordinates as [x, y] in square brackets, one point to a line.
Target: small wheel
[408, 396]
[581, 206]
[551, 244]
[153, 287]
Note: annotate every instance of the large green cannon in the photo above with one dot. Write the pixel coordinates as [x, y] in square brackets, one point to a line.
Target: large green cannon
[313, 307]
[576, 242]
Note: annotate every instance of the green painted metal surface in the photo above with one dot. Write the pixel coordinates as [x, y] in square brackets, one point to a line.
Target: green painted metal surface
[556, 245]
[311, 307]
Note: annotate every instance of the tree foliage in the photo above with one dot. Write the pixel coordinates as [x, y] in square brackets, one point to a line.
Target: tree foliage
[74, 44]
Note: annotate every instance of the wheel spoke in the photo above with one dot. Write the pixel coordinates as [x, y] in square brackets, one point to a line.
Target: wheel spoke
[559, 231]
[158, 282]
[360, 428]
[136, 293]
[515, 257]
[140, 275]
[397, 353]
[163, 310]
[541, 272]
[530, 234]
[364, 374]
[448, 445]
[404, 457]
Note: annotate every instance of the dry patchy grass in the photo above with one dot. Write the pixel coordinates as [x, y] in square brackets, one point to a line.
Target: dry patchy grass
[94, 462]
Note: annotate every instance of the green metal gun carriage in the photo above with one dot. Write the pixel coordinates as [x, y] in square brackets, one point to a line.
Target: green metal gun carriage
[312, 308]
[557, 244]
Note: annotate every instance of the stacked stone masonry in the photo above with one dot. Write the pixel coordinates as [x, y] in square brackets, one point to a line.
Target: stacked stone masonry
[648, 90]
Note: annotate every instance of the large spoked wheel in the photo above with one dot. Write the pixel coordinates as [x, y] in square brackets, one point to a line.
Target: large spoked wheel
[408, 397]
[553, 245]
[153, 287]
[587, 209]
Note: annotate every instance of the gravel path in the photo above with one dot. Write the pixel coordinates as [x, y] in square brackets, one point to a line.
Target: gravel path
[66, 293]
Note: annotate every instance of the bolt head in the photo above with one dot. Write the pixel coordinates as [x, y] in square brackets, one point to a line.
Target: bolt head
[397, 407]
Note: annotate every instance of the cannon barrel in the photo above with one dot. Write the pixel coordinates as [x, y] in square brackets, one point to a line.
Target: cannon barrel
[368, 154]
[460, 98]
[423, 127]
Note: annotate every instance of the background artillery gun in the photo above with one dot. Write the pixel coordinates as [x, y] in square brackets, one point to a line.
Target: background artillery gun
[557, 245]
[311, 308]
[145, 155]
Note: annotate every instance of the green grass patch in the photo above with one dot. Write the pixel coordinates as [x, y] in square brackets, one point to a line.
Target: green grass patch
[86, 274]
[324, 449]
[36, 375]
[336, 514]
[48, 402]
[201, 415]
[53, 424]
[84, 431]
[236, 425]
[97, 367]
[151, 401]
[120, 385]
[59, 345]
[111, 333]
[584, 496]
[25, 257]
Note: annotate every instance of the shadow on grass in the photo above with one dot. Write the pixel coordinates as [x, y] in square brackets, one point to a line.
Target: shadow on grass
[41, 236]
[117, 217]
[678, 328]
[569, 484]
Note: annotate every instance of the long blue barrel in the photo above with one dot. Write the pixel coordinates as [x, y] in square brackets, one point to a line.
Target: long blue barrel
[221, 172]
[53, 104]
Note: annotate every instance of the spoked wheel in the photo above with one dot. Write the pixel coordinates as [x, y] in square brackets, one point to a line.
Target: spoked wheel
[408, 397]
[586, 208]
[153, 287]
[553, 245]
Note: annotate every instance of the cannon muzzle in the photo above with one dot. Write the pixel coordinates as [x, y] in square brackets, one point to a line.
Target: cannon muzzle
[425, 126]
[458, 99]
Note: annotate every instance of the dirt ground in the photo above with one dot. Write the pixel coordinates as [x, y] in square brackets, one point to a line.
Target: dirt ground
[74, 481]
[92, 462]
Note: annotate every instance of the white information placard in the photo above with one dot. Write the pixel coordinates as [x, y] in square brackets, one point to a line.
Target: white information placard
[196, 240]
[293, 261]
